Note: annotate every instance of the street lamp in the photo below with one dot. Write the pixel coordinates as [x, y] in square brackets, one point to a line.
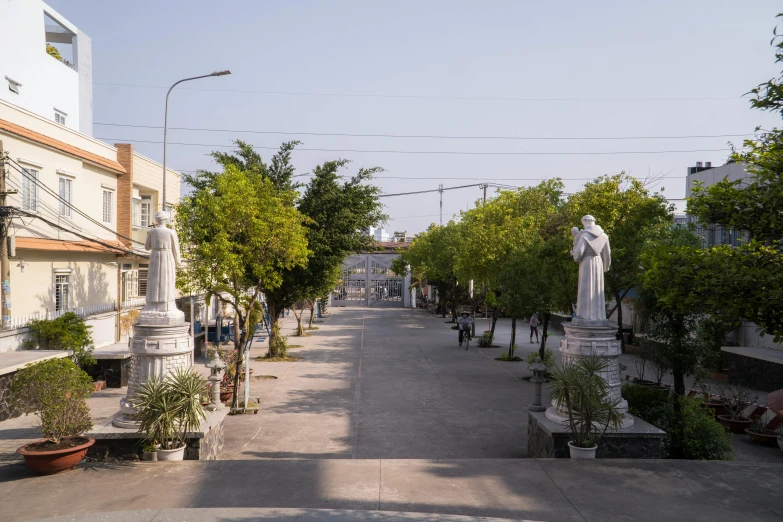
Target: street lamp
[166, 124]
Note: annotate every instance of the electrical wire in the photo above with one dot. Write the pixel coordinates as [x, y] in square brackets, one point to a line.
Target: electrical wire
[430, 152]
[434, 136]
[51, 192]
[426, 97]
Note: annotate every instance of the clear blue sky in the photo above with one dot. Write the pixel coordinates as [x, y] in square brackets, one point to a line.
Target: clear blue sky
[562, 61]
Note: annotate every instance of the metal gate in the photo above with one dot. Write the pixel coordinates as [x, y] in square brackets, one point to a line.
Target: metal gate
[368, 280]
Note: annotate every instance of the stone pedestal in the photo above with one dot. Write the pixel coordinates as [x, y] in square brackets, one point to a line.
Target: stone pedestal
[584, 338]
[548, 440]
[157, 351]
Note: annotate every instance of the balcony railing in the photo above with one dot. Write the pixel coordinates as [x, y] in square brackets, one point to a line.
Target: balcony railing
[81, 311]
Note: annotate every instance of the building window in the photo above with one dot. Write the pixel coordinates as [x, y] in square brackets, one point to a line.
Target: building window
[61, 292]
[107, 206]
[66, 192]
[59, 117]
[143, 272]
[30, 190]
[146, 210]
[136, 217]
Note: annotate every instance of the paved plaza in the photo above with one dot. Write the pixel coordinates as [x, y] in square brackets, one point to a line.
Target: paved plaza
[385, 418]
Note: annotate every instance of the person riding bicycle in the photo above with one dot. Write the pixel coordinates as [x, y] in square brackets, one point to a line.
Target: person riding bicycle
[465, 323]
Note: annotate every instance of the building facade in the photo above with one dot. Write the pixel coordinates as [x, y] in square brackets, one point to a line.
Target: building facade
[46, 64]
[81, 210]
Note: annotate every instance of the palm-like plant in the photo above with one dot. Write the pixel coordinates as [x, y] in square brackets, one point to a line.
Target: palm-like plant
[168, 409]
[578, 388]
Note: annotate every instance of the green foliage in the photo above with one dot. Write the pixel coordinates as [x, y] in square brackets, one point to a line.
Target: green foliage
[504, 356]
[486, 339]
[692, 431]
[630, 215]
[168, 409]
[56, 390]
[548, 360]
[336, 212]
[577, 387]
[67, 332]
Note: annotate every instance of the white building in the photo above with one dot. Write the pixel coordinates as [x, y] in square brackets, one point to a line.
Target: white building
[81, 207]
[32, 78]
[379, 234]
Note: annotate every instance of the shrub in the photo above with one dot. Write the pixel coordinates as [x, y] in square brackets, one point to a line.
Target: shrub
[693, 433]
[506, 357]
[549, 358]
[56, 390]
[486, 339]
[168, 409]
[67, 332]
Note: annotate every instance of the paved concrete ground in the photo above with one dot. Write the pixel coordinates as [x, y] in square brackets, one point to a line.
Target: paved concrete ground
[546, 490]
[386, 414]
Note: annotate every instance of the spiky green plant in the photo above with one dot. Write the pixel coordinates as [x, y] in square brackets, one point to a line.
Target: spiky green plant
[578, 388]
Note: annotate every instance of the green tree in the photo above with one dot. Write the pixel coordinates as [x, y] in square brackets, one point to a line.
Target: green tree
[67, 332]
[238, 235]
[630, 215]
[335, 214]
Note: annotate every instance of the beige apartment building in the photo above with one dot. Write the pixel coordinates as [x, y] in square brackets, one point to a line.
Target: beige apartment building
[82, 210]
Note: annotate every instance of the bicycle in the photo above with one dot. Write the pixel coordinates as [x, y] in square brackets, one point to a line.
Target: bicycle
[466, 337]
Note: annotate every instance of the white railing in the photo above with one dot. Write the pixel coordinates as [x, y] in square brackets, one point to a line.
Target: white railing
[135, 302]
[22, 321]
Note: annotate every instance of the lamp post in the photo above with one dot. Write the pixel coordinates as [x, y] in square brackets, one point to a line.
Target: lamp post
[166, 124]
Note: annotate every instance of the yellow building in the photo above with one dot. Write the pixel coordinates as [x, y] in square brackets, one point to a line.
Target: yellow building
[81, 210]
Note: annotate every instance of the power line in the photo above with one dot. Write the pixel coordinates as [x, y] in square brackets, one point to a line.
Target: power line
[431, 152]
[426, 191]
[434, 136]
[51, 192]
[429, 97]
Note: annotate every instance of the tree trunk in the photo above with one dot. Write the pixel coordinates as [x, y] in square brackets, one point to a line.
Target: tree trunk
[513, 337]
[299, 326]
[274, 329]
[312, 316]
[619, 301]
[238, 346]
[494, 320]
[542, 350]
[679, 382]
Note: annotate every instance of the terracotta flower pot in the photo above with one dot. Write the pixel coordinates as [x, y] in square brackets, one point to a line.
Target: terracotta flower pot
[734, 425]
[226, 393]
[55, 461]
[768, 438]
[718, 408]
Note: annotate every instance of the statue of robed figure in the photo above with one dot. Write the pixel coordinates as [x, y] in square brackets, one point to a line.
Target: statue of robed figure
[163, 244]
[591, 250]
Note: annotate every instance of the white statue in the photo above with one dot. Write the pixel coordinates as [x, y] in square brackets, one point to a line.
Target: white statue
[591, 251]
[162, 275]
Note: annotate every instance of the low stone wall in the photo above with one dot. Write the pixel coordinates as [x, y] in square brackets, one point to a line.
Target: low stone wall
[7, 410]
[545, 439]
[755, 373]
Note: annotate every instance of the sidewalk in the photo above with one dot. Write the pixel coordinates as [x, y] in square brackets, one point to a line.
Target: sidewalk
[543, 490]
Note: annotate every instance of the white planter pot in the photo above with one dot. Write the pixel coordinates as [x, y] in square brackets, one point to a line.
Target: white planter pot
[171, 454]
[577, 453]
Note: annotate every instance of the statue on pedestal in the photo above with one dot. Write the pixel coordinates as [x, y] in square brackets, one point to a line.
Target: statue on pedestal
[591, 250]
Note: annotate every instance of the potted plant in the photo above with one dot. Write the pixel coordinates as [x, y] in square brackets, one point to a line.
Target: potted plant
[759, 434]
[735, 401]
[56, 391]
[579, 390]
[168, 409]
[150, 452]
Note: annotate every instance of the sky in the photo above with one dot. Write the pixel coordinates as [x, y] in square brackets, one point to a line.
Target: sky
[478, 70]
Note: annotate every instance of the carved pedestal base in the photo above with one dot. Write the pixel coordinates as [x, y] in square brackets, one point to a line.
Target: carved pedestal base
[584, 338]
[158, 350]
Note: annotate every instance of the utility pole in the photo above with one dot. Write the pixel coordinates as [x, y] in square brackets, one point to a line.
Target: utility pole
[5, 262]
[485, 185]
[440, 191]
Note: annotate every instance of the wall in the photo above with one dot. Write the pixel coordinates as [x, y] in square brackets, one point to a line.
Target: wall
[46, 82]
[93, 279]
[732, 171]
[87, 179]
[148, 176]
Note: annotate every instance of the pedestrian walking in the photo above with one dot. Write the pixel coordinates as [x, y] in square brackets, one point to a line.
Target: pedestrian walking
[534, 322]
